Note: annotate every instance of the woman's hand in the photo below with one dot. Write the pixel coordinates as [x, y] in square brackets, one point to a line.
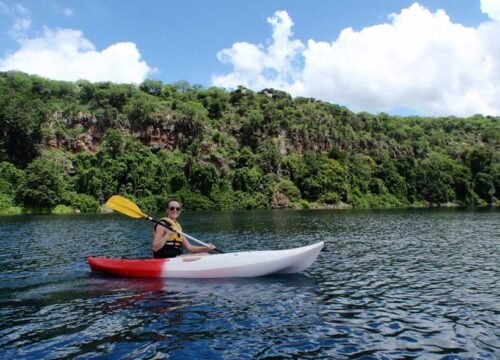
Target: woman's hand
[159, 239]
[167, 234]
[210, 247]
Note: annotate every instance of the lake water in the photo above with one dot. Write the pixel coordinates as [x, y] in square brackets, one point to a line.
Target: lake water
[390, 284]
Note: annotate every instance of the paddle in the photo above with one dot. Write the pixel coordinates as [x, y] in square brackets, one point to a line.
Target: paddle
[129, 208]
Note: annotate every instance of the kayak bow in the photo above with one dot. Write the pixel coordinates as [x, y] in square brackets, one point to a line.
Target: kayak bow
[238, 264]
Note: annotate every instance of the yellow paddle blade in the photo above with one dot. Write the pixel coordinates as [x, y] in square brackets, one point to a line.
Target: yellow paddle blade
[125, 206]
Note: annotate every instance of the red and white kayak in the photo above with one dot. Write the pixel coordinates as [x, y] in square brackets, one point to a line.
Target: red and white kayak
[238, 264]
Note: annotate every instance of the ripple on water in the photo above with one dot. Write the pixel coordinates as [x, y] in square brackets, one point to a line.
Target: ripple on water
[390, 284]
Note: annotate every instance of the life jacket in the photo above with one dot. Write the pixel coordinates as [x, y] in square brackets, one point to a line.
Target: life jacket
[173, 245]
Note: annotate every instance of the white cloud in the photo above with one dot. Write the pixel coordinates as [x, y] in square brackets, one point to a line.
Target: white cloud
[419, 60]
[65, 54]
[492, 8]
[258, 66]
[67, 12]
[21, 17]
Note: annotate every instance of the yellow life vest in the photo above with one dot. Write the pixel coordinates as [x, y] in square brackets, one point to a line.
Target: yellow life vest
[174, 239]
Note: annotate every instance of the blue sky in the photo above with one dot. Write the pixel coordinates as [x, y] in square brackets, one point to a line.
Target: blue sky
[381, 64]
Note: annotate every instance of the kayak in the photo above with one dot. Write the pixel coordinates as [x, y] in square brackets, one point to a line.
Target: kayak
[238, 264]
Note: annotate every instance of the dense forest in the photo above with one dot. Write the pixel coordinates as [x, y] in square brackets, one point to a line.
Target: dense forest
[68, 146]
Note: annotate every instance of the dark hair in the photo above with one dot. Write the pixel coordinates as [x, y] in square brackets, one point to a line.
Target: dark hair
[167, 203]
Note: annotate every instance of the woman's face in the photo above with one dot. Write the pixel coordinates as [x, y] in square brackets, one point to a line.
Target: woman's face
[173, 210]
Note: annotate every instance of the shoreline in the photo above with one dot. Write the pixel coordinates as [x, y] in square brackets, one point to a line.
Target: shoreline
[343, 206]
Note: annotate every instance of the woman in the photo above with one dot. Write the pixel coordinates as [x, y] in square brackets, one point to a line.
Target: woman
[168, 243]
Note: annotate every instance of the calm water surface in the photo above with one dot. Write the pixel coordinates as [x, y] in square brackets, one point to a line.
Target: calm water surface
[390, 284]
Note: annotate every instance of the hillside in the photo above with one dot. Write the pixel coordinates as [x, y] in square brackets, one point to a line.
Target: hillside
[72, 145]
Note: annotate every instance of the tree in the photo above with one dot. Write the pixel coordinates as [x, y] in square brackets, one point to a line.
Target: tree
[434, 178]
[322, 175]
[203, 178]
[230, 147]
[191, 119]
[481, 160]
[484, 186]
[463, 186]
[43, 185]
[10, 178]
[90, 182]
[152, 87]
[82, 202]
[113, 143]
[215, 100]
[141, 110]
[21, 116]
[393, 181]
[269, 157]
[361, 170]
[247, 179]
[285, 194]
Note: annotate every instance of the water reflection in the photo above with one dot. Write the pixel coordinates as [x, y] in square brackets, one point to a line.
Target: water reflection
[176, 312]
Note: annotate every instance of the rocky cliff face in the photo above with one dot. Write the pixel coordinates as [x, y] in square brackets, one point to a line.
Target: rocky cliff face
[77, 134]
[83, 132]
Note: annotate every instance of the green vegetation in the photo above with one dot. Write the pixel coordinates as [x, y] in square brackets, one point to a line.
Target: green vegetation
[67, 146]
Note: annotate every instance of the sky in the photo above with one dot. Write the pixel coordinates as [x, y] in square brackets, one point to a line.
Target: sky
[429, 58]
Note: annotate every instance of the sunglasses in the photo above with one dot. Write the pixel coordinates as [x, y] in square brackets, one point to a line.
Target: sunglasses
[174, 208]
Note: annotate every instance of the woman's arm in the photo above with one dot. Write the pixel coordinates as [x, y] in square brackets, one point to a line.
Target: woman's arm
[195, 249]
[161, 236]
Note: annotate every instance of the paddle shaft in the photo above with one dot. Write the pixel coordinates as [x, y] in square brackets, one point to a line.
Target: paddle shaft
[181, 233]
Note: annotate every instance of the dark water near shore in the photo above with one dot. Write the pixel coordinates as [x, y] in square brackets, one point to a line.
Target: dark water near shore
[390, 284]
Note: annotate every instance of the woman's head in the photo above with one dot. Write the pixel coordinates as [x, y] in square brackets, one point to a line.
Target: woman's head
[173, 208]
